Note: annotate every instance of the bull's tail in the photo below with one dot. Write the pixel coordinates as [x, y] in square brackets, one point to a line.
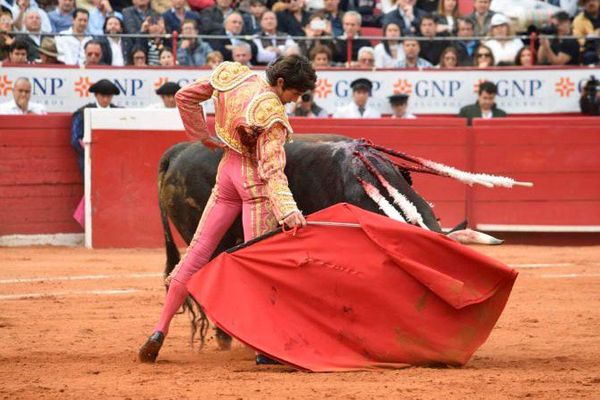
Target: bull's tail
[171, 249]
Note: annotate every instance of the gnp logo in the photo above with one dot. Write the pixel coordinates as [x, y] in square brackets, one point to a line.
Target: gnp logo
[5, 85]
[323, 88]
[564, 87]
[514, 88]
[441, 88]
[82, 86]
[402, 86]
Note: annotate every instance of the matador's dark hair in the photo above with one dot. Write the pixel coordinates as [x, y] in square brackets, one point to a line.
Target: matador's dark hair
[296, 71]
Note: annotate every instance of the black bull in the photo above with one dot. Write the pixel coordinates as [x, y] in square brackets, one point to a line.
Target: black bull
[320, 173]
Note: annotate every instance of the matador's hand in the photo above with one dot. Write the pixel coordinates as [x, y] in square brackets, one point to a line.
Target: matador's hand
[212, 144]
[295, 219]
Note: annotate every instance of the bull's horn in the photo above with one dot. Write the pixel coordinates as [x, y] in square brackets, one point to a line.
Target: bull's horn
[469, 236]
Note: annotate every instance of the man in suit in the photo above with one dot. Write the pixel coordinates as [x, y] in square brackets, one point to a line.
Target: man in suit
[485, 107]
[352, 22]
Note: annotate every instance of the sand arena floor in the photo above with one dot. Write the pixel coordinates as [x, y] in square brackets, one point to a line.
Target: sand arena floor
[71, 321]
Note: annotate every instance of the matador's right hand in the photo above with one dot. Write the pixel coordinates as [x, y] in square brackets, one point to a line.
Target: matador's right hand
[295, 219]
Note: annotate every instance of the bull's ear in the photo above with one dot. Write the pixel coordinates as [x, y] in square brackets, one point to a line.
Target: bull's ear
[460, 227]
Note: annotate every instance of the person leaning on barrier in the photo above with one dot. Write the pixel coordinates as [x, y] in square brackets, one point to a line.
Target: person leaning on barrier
[103, 91]
[358, 107]
[590, 97]
[20, 104]
[399, 104]
[485, 106]
[167, 94]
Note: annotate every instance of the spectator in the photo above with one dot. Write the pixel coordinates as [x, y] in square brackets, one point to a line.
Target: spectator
[317, 27]
[429, 6]
[139, 57]
[242, 53]
[18, 12]
[306, 107]
[70, 46]
[320, 57]
[165, 58]
[191, 50]
[446, 17]
[399, 104]
[20, 104]
[214, 18]
[32, 24]
[466, 48]
[366, 9]
[352, 22]
[153, 45]
[358, 107]
[103, 91]
[485, 107]
[405, 15]
[135, 16]
[115, 49]
[505, 49]
[484, 58]
[389, 52]
[334, 16]
[167, 94]
[589, 102]
[18, 52]
[559, 51]
[270, 43]
[293, 20]
[411, 55]
[48, 54]
[449, 58]
[6, 39]
[93, 53]
[586, 25]
[62, 16]
[431, 49]
[481, 17]
[252, 20]
[366, 58]
[177, 15]
[98, 15]
[525, 58]
[232, 27]
[214, 58]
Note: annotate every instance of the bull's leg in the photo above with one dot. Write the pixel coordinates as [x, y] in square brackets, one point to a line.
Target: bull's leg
[223, 339]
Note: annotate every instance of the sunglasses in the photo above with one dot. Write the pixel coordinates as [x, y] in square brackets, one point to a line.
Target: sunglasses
[480, 55]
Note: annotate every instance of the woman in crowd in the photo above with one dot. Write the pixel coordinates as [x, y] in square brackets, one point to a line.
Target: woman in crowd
[446, 15]
[166, 58]
[139, 58]
[504, 48]
[483, 57]
[320, 56]
[525, 58]
[449, 58]
[214, 58]
[6, 25]
[389, 52]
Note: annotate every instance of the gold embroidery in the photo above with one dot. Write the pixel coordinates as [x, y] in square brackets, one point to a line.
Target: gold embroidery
[265, 110]
[228, 75]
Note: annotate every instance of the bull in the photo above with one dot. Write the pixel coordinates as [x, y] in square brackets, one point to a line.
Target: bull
[322, 170]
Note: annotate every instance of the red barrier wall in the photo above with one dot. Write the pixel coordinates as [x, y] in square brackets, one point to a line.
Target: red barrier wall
[40, 185]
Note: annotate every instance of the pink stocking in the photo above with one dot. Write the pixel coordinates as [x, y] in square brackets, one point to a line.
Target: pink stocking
[175, 298]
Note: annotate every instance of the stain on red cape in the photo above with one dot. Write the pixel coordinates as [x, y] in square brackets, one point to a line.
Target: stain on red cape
[340, 298]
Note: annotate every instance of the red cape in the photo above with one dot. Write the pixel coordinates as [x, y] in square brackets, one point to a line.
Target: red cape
[341, 298]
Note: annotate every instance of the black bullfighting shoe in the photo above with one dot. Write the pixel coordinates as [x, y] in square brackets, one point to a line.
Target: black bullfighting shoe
[261, 359]
[149, 351]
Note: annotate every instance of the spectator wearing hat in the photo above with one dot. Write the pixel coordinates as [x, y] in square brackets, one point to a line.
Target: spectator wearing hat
[98, 15]
[177, 15]
[358, 107]
[399, 104]
[306, 107]
[559, 51]
[485, 107]
[61, 17]
[47, 51]
[412, 49]
[115, 49]
[481, 16]
[103, 91]
[167, 95]
[504, 49]
[20, 104]
[586, 25]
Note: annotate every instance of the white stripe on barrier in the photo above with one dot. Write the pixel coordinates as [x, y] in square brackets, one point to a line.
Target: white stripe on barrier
[570, 276]
[541, 265]
[24, 296]
[78, 278]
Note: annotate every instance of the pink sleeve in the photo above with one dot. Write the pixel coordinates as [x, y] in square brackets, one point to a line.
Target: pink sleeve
[188, 101]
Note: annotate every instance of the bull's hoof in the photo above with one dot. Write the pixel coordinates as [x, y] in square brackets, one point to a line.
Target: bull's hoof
[149, 351]
[261, 359]
[223, 340]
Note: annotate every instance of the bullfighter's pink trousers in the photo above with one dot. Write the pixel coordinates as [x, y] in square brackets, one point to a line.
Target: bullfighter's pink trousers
[238, 188]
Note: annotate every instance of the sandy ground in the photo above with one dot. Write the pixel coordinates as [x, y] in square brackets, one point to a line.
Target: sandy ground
[71, 321]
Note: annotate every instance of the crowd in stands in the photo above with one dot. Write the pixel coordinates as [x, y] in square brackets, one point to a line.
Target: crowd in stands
[416, 33]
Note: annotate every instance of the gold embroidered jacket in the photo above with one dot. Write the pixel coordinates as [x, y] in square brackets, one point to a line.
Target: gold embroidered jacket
[249, 118]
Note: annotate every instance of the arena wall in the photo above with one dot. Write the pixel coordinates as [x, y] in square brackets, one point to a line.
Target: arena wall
[40, 185]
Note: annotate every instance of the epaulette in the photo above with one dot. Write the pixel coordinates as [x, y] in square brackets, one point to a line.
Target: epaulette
[228, 75]
[266, 109]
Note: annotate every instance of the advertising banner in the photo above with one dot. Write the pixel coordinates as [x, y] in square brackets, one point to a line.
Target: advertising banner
[432, 91]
